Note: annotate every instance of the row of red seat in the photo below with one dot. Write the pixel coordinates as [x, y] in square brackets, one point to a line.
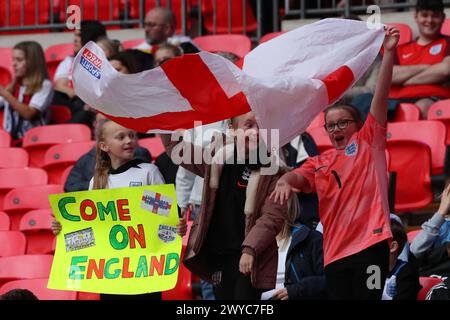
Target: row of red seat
[39, 12]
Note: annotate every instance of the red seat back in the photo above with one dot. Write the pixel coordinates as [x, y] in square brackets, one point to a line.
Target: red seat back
[445, 29]
[34, 12]
[432, 133]
[58, 157]
[5, 138]
[407, 112]
[88, 8]
[39, 289]
[55, 54]
[59, 114]
[12, 243]
[18, 201]
[440, 111]
[406, 34]
[6, 63]
[38, 139]
[321, 138]
[154, 145]
[270, 36]
[427, 284]
[412, 234]
[5, 76]
[222, 16]
[25, 267]
[130, 44]
[238, 44]
[5, 222]
[13, 158]
[36, 225]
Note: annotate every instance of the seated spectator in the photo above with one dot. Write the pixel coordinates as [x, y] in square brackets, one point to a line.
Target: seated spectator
[27, 97]
[300, 274]
[160, 26]
[18, 294]
[110, 47]
[422, 69]
[402, 282]
[90, 30]
[166, 52]
[431, 245]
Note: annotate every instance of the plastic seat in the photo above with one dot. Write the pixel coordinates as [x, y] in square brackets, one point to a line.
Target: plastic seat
[36, 226]
[407, 112]
[427, 284]
[88, 9]
[6, 68]
[406, 34]
[445, 29]
[440, 111]
[432, 133]
[12, 243]
[19, 201]
[34, 12]
[4, 221]
[270, 36]
[20, 177]
[411, 160]
[22, 267]
[39, 289]
[38, 139]
[238, 44]
[412, 234]
[183, 288]
[176, 7]
[222, 16]
[60, 156]
[13, 158]
[60, 114]
[65, 174]
[55, 54]
[321, 138]
[5, 138]
[318, 122]
[154, 145]
[130, 44]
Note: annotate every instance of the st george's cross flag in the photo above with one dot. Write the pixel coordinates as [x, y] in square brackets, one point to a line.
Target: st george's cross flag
[286, 81]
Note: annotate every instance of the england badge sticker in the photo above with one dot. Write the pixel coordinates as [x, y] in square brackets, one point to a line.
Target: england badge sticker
[156, 203]
[167, 233]
[351, 149]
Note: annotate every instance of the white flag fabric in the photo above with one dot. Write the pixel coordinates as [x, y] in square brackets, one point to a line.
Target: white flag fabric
[286, 81]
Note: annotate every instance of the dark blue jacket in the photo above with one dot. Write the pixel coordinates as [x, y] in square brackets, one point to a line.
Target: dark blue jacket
[304, 275]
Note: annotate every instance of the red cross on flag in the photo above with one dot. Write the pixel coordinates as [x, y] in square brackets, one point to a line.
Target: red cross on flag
[286, 81]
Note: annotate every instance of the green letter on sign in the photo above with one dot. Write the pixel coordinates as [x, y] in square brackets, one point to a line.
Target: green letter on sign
[113, 237]
[109, 209]
[62, 208]
[167, 269]
[116, 273]
[74, 268]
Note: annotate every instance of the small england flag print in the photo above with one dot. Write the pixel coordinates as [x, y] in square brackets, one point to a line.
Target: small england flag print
[156, 203]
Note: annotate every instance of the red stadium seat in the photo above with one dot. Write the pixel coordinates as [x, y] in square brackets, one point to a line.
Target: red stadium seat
[427, 284]
[88, 9]
[412, 234]
[183, 288]
[19, 201]
[38, 139]
[4, 221]
[411, 161]
[407, 112]
[175, 7]
[432, 133]
[20, 177]
[238, 44]
[130, 44]
[59, 114]
[12, 243]
[60, 156]
[36, 225]
[406, 34]
[55, 54]
[318, 122]
[445, 30]
[321, 138]
[34, 12]
[13, 158]
[5, 138]
[28, 266]
[222, 16]
[154, 145]
[39, 289]
[6, 68]
[440, 110]
[270, 36]
[66, 173]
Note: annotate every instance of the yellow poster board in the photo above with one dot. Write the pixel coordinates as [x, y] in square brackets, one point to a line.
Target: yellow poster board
[116, 241]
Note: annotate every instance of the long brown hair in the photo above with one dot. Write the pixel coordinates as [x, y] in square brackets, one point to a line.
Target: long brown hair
[36, 67]
[102, 159]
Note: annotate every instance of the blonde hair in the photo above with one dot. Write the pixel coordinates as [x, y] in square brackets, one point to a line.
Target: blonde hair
[102, 159]
[36, 67]
[110, 45]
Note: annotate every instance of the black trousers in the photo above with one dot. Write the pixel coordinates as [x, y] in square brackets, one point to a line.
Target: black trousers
[354, 278]
[233, 284]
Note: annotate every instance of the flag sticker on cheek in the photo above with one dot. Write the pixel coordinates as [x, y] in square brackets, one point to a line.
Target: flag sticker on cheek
[156, 203]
